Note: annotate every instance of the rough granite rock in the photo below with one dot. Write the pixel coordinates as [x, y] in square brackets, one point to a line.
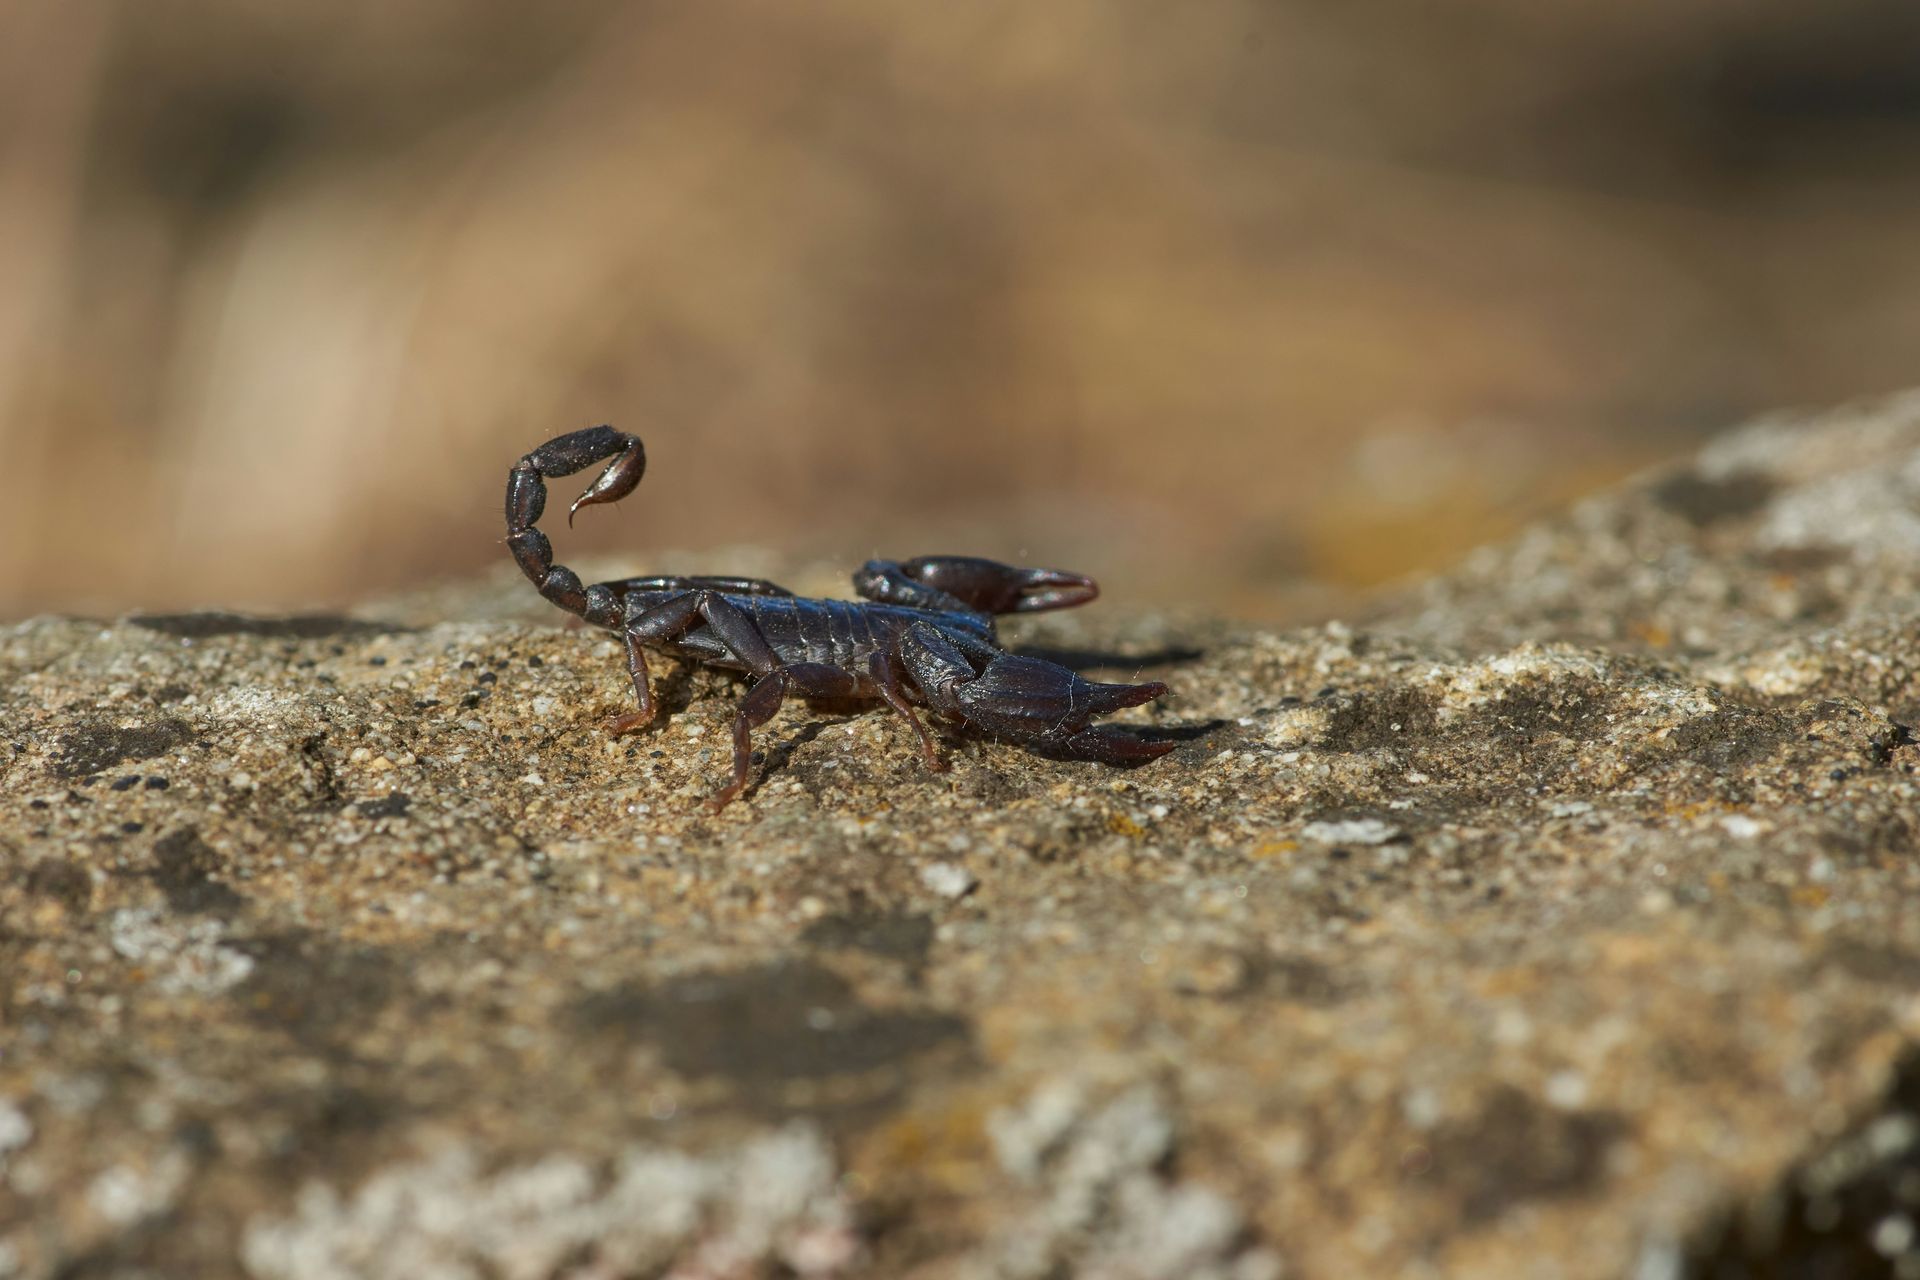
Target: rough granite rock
[1555, 918]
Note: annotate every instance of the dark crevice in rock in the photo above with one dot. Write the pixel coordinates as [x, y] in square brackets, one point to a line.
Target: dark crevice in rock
[184, 867]
[1394, 718]
[1574, 709]
[1729, 738]
[1851, 1209]
[316, 993]
[394, 804]
[1297, 980]
[1883, 747]
[898, 936]
[326, 782]
[771, 1027]
[95, 748]
[1708, 500]
[61, 881]
[1515, 1149]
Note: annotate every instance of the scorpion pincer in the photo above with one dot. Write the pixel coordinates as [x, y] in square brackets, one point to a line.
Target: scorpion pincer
[922, 634]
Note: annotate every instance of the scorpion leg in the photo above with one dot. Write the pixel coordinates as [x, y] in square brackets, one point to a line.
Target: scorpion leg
[886, 670]
[935, 664]
[741, 635]
[809, 680]
[642, 691]
[971, 584]
[636, 655]
[673, 617]
[670, 619]
[664, 621]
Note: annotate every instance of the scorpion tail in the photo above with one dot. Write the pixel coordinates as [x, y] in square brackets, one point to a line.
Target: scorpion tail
[527, 500]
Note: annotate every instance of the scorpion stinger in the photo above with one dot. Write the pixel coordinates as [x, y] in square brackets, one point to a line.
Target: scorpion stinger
[924, 634]
[527, 499]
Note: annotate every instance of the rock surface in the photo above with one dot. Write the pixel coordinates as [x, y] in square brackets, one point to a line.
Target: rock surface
[1555, 917]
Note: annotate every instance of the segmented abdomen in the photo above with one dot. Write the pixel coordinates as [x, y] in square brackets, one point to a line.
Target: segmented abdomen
[837, 633]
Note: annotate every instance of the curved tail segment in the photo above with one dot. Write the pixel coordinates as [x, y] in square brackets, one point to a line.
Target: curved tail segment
[527, 500]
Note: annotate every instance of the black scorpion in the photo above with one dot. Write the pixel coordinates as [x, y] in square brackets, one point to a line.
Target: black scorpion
[924, 632]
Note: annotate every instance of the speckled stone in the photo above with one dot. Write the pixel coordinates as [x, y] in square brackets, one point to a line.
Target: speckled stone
[1530, 921]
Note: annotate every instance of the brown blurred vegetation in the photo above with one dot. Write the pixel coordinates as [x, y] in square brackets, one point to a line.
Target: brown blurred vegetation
[1208, 299]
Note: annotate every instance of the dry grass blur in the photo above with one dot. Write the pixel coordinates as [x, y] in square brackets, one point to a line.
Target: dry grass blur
[1209, 299]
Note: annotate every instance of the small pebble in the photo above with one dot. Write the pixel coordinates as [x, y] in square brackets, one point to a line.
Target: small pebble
[948, 879]
[1351, 831]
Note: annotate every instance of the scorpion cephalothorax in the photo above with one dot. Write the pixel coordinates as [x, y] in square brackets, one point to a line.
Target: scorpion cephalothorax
[924, 632]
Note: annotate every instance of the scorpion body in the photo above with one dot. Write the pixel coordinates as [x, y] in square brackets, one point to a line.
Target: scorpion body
[922, 634]
[834, 633]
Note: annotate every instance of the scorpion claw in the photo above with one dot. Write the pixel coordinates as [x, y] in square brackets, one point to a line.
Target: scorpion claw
[993, 587]
[1050, 707]
[1108, 698]
[1042, 589]
[1106, 744]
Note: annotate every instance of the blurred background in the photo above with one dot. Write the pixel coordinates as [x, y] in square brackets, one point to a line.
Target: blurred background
[1225, 301]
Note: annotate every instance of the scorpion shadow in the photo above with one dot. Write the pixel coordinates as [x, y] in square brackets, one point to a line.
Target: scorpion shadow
[1085, 660]
[774, 761]
[1192, 731]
